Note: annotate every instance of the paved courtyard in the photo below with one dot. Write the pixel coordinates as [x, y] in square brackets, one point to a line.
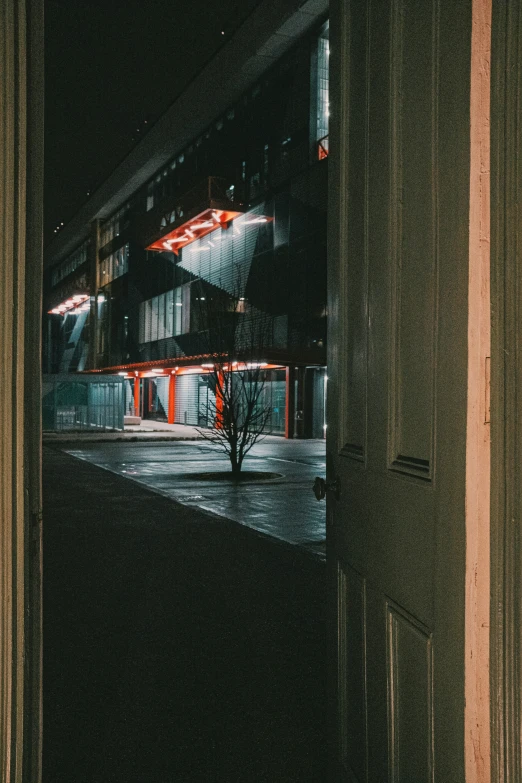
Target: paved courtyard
[283, 507]
[179, 647]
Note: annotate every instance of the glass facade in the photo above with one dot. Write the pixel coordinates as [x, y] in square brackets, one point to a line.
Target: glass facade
[115, 265]
[114, 226]
[322, 98]
[70, 264]
[224, 257]
[86, 404]
[195, 399]
[272, 257]
[161, 316]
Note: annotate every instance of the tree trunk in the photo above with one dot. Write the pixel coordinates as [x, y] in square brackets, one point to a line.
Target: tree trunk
[235, 463]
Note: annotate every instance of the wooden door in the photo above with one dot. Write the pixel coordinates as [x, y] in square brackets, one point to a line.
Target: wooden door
[398, 321]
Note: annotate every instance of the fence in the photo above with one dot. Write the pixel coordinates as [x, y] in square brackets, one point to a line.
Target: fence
[77, 403]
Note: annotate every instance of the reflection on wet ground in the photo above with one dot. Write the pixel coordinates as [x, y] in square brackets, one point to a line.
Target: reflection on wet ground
[284, 507]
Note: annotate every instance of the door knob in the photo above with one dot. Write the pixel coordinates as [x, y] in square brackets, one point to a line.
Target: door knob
[321, 487]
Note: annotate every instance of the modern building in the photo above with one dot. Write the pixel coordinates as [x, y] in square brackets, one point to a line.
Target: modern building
[424, 475]
[224, 199]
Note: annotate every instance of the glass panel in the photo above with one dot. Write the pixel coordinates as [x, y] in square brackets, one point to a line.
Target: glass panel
[178, 310]
[323, 105]
[161, 316]
[169, 314]
[141, 332]
[148, 318]
[154, 319]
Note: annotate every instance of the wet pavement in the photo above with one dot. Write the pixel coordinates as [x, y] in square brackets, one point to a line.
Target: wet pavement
[145, 430]
[179, 647]
[283, 507]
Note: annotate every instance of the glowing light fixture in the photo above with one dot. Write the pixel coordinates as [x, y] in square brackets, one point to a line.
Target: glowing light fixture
[205, 224]
[200, 225]
[73, 304]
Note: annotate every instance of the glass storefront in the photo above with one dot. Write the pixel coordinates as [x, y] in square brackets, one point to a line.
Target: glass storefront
[195, 401]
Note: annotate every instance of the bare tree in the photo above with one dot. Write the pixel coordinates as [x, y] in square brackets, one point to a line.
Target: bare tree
[234, 336]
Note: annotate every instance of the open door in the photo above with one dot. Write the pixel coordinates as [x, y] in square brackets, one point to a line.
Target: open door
[400, 300]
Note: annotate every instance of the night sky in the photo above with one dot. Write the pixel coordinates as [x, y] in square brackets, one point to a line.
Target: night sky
[112, 68]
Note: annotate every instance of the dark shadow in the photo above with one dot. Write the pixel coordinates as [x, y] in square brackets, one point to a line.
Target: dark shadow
[177, 647]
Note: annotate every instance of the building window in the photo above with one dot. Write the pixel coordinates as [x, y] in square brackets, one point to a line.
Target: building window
[161, 316]
[115, 225]
[322, 101]
[177, 310]
[71, 263]
[115, 265]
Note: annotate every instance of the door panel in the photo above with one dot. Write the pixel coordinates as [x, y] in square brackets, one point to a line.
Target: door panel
[409, 697]
[413, 232]
[352, 614]
[398, 244]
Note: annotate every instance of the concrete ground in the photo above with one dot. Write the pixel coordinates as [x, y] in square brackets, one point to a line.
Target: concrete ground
[146, 430]
[283, 507]
[179, 647]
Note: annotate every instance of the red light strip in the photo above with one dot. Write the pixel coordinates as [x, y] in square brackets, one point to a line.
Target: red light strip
[201, 369]
[201, 225]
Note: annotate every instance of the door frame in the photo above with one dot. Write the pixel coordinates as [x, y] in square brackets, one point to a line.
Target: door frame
[506, 386]
[21, 240]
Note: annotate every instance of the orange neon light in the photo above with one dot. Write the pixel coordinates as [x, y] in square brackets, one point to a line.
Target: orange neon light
[198, 369]
[195, 228]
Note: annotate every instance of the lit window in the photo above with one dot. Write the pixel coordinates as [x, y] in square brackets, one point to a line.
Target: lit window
[322, 92]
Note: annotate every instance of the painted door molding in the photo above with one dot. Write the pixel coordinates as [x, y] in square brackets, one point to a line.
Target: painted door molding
[408, 435]
[21, 180]
[506, 385]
